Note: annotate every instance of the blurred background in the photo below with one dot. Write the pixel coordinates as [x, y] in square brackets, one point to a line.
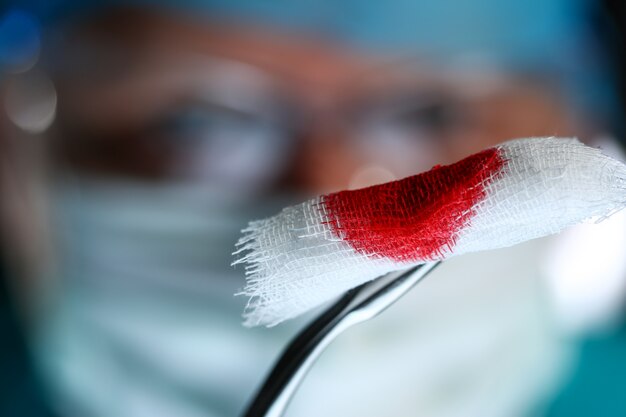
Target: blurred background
[137, 138]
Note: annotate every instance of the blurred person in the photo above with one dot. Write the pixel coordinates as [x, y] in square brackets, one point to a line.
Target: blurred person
[174, 127]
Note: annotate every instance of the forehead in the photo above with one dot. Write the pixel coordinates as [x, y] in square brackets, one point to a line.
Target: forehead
[300, 57]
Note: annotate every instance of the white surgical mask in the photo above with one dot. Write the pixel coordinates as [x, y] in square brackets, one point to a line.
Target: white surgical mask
[143, 321]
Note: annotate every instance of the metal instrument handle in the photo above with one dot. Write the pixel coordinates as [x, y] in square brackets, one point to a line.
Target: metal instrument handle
[357, 305]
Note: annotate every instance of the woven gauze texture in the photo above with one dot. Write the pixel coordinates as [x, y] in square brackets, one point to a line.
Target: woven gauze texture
[417, 218]
[519, 190]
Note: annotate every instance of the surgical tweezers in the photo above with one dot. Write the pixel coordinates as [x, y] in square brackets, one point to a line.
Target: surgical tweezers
[356, 306]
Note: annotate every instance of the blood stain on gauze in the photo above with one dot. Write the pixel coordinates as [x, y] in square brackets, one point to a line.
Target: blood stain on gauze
[417, 218]
[312, 252]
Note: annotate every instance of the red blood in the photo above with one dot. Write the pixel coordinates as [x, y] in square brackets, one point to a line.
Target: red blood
[417, 218]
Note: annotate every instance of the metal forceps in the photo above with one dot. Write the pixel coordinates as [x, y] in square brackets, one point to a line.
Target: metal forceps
[356, 306]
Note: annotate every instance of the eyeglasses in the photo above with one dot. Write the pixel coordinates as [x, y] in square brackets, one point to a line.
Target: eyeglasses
[236, 126]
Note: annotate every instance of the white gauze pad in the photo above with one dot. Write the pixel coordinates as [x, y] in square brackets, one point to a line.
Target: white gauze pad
[518, 190]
